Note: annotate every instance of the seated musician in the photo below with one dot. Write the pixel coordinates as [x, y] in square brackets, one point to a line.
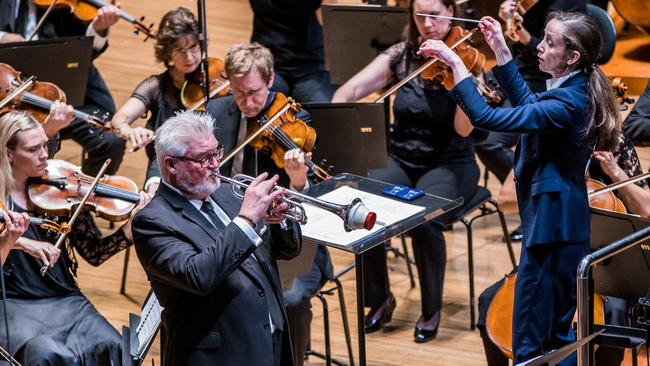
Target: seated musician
[50, 320]
[249, 68]
[19, 20]
[177, 47]
[210, 258]
[637, 123]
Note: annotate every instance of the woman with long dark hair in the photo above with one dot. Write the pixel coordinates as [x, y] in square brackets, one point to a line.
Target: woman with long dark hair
[560, 129]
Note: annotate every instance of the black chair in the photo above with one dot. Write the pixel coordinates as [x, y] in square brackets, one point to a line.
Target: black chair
[479, 201]
[326, 323]
[607, 30]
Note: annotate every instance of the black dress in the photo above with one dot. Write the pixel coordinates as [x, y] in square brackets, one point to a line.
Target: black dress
[162, 100]
[427, 153]
[50, 321]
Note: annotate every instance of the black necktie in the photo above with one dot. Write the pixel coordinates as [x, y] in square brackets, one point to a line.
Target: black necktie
[274, 306]
[216, 221]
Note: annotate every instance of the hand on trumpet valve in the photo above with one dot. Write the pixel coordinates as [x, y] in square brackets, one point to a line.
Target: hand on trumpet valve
[262, 200]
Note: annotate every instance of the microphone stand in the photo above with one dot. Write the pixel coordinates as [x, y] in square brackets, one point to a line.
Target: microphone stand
[203, 41]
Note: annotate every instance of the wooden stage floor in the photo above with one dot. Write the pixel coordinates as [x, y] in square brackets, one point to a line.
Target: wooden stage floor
[128, 60]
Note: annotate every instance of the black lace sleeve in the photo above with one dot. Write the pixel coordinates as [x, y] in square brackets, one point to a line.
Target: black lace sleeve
[148, 91]
[86, 238]
[628, 159]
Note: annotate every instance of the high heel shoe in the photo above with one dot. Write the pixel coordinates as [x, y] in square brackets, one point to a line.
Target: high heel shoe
[424, 335]
[381, 315]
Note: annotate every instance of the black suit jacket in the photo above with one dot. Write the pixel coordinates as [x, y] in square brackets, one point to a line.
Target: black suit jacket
[61, 23]
[215, 310]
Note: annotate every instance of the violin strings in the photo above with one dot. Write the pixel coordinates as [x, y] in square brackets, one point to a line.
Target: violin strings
[109, 188]
[288, 143]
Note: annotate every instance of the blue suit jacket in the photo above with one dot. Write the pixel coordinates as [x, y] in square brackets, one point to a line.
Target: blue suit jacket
[552, 153]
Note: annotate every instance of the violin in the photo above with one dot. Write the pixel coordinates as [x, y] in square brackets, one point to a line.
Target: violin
[86, 11]
[620, 91]
[37, 98]
[473, 59]
[434, 69]
[512, 25]
[278, 131]
[192, 92]
[43, 223]
[61, 189]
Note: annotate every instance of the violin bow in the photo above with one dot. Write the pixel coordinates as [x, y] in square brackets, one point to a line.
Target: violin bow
[250, 138]
[17, 91]
[421, 68]
[618, 185]
[42, 20]
[77, 211]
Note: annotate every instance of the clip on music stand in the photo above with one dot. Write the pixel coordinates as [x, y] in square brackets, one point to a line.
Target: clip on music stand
[434, 206]
[351, 136]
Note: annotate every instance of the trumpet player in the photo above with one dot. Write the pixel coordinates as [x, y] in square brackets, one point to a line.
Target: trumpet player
[210, 258]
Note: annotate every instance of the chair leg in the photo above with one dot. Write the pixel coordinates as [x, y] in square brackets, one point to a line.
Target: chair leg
[326, 327]
[127, 254]
[346, 324]
[408, 261]
[470, 264]
[506, 233]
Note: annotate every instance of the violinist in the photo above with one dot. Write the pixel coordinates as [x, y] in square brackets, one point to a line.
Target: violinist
[429, 149]
[177, 47]
[17, 23]
[249, 68]
[527, 31]
[560, 128]
[637, 123]
[64, 328]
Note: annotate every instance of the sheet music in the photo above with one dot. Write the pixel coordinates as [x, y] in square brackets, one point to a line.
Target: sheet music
[328, 227]
[149, 323]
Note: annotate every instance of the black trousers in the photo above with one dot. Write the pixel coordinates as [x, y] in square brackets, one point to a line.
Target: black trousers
[97, 144]
[448, 181]
[311, 88]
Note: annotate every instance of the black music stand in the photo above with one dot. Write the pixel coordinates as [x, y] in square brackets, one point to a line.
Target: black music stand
[434, 206]
[63, 61]
[351, 136]
[353, 35]
[626, 275]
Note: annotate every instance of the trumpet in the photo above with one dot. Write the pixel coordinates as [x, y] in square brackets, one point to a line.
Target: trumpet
[355, 215]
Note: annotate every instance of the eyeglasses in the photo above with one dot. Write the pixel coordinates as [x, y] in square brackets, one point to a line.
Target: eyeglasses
[184, 51]
[205, 160]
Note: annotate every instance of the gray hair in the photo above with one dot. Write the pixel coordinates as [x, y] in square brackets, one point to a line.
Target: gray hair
[176, 134]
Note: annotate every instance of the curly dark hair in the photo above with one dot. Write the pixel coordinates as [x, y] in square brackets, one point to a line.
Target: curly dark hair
[174, 25]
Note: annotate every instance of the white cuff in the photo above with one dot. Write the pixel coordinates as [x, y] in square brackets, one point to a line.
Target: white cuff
[2, 35]
[248, 230]
[151, 181]
[98, 41]
[307, 185]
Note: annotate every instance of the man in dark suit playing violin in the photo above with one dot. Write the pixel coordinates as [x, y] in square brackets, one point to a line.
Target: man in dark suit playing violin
[18, 19]
[249, 67]
[210, 258]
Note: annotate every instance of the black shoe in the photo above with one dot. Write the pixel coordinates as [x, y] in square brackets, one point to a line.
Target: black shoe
[424, 335]
[516, 235]
[381, 315]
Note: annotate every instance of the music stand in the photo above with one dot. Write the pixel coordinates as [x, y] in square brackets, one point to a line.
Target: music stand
[353, 35]
[138, 337]
[627, 274]
[434, 206]
[351, 136]
[62, 61]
